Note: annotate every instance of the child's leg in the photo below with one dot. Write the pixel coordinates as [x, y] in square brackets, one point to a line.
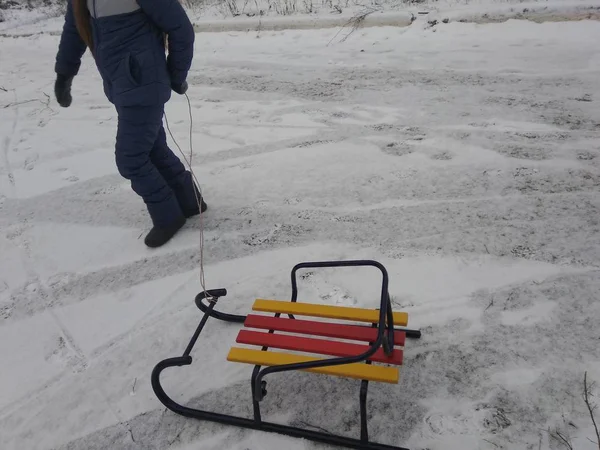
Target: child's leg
[138, 129]
[173, 171]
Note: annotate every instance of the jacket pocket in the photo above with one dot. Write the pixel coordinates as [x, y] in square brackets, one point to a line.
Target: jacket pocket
[132, 69]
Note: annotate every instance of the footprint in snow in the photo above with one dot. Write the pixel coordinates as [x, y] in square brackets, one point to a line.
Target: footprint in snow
[105, 190]
[586, 156]
[442, 156]
[67, 175]
[59, 280]
[339, 297]
[291, 201]
[441, 424]
[30, 161]
[468, 421]
[405, 173]
[397, 148]
[340, 115]
[57, 352]
[5, 311]
[15, 232]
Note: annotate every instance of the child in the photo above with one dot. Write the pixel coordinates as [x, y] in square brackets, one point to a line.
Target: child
[127, 41]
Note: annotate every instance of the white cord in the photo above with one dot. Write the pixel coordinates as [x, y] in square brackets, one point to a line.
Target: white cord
[189, 163]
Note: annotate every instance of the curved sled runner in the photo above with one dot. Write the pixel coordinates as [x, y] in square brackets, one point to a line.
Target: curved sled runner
[355, 349]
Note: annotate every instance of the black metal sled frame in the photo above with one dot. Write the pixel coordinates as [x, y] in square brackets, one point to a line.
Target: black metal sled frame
[385, 338]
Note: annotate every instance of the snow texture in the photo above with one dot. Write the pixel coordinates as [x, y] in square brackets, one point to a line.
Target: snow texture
[465, 157]
[269, 15]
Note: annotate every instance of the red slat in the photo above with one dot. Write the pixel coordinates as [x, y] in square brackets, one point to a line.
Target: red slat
[326, 329]
[309, 345]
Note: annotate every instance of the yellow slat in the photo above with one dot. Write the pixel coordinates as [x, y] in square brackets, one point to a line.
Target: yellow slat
[359, 371]
[326, 311]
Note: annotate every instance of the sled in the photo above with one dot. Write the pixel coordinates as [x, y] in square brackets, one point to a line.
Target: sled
[374, 354]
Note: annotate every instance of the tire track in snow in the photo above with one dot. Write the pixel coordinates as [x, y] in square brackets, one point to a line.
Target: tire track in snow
[7, 143]
[239, 233]
[14, 406]
[44, 299]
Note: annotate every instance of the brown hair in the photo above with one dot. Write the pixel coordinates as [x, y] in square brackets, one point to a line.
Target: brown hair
[82, 22]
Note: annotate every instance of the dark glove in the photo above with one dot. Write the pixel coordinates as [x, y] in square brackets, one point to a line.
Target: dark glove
[62, 90]
[180, 88]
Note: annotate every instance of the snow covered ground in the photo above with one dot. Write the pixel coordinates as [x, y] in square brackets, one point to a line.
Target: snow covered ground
[464, 157]
[269, 15]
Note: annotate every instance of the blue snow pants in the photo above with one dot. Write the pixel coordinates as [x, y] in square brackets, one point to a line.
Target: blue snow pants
[155, 172]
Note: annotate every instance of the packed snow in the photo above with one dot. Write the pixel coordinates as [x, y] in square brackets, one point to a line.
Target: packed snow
[30, 18]
[464, 157]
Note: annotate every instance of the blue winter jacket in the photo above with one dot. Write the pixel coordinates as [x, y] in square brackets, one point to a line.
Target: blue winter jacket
[129, 48]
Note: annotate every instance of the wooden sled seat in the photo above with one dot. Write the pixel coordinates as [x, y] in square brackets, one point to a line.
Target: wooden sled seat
[342, 339]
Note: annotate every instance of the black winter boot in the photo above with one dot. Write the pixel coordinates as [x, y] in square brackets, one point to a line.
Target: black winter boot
[161, 235]
[195, 211]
